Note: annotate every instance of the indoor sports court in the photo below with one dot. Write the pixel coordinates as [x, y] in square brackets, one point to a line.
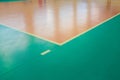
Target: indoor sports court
[59, 39]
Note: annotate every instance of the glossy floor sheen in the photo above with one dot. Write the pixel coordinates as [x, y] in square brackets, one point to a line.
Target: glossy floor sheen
[94, 55]
[18, 48]
[57, 20]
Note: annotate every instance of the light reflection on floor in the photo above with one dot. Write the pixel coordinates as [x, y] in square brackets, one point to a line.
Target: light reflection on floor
[57, 20]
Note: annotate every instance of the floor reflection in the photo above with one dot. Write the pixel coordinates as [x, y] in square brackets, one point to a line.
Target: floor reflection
[57, 20]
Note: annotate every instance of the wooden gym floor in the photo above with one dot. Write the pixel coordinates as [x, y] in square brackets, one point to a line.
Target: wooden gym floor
[59, 40]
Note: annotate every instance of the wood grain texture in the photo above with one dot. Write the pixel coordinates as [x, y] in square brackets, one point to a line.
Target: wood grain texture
[57, 20]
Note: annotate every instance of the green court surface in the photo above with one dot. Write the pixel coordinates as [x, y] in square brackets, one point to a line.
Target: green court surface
[94, 55]
[17, 48]
[11, 0]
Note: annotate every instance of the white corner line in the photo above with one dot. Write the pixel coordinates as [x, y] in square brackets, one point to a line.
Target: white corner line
[61, 44]
[45, 52]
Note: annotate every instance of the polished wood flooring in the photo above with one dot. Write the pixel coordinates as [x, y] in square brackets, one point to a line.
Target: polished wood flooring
[57, 20]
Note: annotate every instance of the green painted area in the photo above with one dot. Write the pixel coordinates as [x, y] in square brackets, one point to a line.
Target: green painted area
[11, 0]
[17, 48]
[94, 55]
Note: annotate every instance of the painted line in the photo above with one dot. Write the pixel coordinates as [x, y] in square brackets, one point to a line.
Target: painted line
[45, 52]
[29, 34]
[61, 44]
[90, 29]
